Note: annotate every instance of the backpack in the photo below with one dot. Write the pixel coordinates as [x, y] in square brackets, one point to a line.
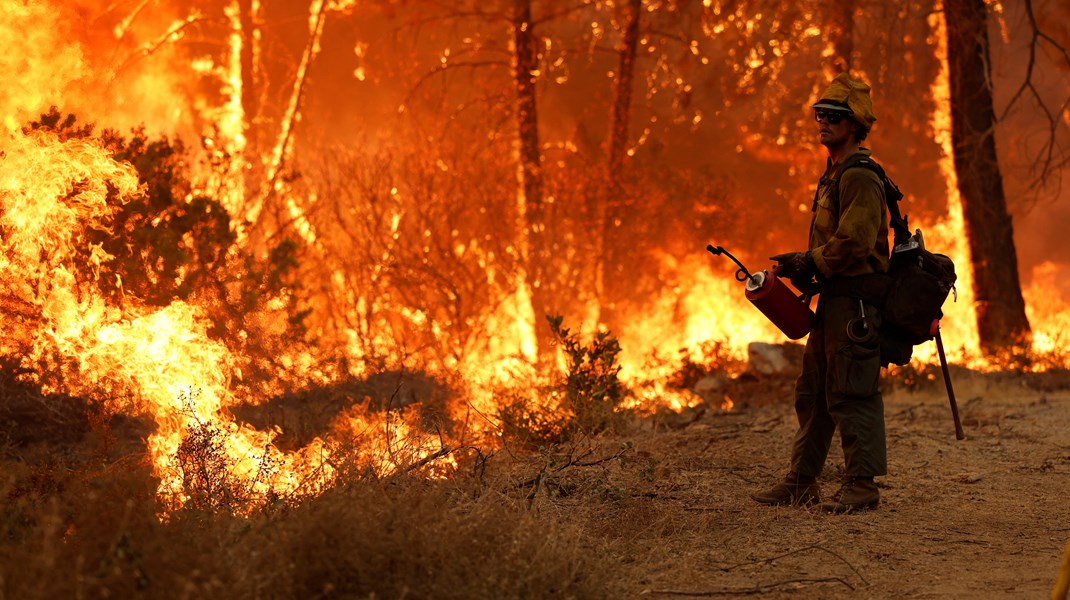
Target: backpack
[920, 280]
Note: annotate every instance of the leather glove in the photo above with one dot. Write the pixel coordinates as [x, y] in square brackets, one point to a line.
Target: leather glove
[795, 265]
[809, 288]
[799, 268]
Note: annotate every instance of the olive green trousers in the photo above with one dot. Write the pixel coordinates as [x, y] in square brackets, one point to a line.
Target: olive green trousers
[840, 388]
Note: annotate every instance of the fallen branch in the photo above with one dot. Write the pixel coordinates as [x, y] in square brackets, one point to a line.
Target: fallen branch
[574, 462]
[443, 451]
[798, 551]
[691, 420]
[758, 589]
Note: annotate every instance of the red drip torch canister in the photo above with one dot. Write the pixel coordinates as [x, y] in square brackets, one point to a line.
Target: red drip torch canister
[779, 304]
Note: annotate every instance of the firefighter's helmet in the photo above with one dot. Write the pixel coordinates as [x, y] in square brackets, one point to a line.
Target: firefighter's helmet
[850, 96]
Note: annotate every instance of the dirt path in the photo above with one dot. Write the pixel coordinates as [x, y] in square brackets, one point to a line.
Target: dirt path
[987, 517]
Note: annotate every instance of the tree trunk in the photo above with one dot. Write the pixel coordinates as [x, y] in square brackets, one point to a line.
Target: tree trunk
[531, 207]
[1001, 320]
[841, 20]
[249, 18]
[610, 268]
[622, 101]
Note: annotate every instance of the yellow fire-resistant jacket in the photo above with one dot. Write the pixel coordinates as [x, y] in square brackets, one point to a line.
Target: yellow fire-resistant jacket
[849, 234]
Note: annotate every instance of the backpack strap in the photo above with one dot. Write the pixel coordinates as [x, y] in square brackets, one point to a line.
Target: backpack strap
[891, 192]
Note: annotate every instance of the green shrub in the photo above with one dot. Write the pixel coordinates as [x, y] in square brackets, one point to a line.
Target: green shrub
[585, 401]
[591, 390]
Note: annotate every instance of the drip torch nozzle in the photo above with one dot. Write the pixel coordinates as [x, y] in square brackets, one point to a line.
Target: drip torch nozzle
[742, 273]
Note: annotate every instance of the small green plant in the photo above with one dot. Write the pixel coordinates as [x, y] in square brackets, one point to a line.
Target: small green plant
[585, 401]
[592, 390]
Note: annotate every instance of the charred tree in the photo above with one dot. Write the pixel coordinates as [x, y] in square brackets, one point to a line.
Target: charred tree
[1001, 320]
[531, 204]
[610, 266]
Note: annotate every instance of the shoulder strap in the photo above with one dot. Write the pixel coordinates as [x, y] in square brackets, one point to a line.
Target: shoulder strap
[891, 192]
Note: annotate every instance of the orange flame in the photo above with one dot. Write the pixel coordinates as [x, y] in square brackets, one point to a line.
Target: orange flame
[163, 362]
[159, 361]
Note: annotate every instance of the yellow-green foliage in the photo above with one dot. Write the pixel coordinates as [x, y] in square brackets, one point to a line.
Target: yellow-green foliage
[583, 400]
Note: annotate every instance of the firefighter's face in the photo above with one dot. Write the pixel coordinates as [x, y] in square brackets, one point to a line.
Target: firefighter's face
[834, 128]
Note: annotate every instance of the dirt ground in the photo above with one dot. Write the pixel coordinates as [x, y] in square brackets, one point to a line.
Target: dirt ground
[986, 517]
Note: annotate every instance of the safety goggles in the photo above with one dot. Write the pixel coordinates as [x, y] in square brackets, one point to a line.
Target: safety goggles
[832, 117]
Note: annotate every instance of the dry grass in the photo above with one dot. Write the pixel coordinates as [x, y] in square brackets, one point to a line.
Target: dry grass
[82, 518]
[72, 531]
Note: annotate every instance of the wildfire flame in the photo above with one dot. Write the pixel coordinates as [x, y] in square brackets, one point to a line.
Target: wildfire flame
[162, 361]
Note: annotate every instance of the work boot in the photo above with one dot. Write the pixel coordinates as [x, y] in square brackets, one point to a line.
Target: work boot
[795, 490]
[857, 493]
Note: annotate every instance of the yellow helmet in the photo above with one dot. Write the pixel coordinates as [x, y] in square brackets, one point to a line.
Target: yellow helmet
[849, 96]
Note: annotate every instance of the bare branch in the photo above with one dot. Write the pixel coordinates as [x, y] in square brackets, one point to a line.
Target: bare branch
[1048, 163]
[453, 13]
[798, 551]
[443, 451]
[443, 67]
[128, 20]
[170, 35]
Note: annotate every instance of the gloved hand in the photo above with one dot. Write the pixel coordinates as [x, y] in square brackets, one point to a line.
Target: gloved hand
[809, 288]
[799, 268]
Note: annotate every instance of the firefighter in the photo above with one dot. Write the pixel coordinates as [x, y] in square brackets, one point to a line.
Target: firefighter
[846, 264]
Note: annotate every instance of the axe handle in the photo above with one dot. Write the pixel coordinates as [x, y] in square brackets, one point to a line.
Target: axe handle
[959, 434]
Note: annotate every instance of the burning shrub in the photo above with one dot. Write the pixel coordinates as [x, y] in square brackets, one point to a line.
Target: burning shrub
[530, 422]
[167, 243]
[164, 243]
[413, 250]
[206, 469]
[712, 357]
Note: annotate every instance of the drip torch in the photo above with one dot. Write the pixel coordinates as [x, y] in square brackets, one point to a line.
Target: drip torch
[790, 313]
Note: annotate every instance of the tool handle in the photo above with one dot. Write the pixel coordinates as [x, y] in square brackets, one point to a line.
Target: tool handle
[959, 434]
